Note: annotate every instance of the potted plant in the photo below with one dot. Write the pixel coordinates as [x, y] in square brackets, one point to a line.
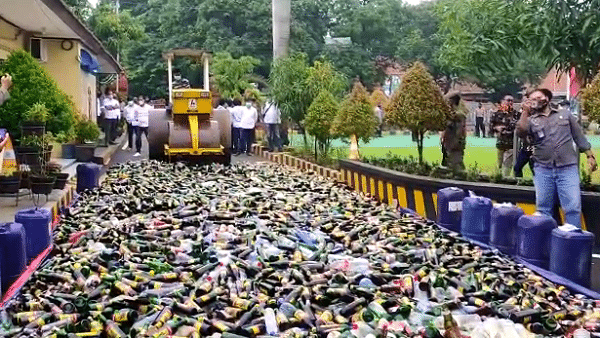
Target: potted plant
[41, 181]
[10, 183]
[30, 152]
[86, 133]
[54, 169]
[67, 144]
[34, 120]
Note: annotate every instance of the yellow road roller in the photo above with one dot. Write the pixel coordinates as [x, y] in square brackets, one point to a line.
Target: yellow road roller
[189, 129]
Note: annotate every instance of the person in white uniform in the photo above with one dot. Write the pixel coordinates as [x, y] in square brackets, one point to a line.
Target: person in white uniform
[247, 124]
[131, 124]
[142, 117]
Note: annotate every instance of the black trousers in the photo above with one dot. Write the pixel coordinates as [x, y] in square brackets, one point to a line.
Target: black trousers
[138, 141]
[479, 126]
[246, 140]
[274, 139]
[131, 133]
[235, 140]
[110, 129]
[523, 158]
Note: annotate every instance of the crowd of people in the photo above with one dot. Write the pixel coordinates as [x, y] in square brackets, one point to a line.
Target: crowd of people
[243, 124]
[136, 113]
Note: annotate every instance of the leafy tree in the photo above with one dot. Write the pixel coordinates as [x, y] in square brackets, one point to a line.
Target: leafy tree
[33, 85]
[81, 8]
[319, 119]
[115, 30]
[323, 76]
[233, 76]
[418, 105]
[288, 86]
[590, 99]
[482, 42]
[294, 85]
[378, 97]
[356, 118]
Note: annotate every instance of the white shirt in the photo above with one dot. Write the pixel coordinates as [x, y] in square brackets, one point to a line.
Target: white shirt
[142, 115]
[272, 114]
[249, 117]
[236, 116]
[130, 113]
[112, 109]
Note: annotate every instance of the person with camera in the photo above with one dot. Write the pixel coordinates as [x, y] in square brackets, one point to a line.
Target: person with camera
[557, 140]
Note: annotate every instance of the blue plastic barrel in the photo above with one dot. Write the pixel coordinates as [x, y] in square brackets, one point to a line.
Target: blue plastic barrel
[37, 228]
[13, 249]
[475, 223]
[571, 255]
[503, 227]
[449, 201]
[88, 176]
[533, 242]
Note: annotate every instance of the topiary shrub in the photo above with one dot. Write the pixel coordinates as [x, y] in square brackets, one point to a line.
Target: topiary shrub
[32, 85]
[418, 105]
[590, 99]
[356, 118]
[319, 119]
[378, 97]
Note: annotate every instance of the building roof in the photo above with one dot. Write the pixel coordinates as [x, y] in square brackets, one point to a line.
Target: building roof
[53, 19]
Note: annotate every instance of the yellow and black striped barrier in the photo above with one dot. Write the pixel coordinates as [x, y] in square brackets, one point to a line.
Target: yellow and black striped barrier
[419, 193]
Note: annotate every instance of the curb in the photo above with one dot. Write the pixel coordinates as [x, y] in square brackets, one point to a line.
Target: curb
[288, 160]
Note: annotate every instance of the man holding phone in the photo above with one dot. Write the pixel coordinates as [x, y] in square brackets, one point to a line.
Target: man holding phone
[553, 136]
[5, 84]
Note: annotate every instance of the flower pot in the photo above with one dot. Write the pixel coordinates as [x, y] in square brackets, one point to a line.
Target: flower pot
[32, 128]
[10, 184]
[68, 150]
[84, 152]
[24, 180]
[29, 156]
[61, 181]
[42, 185]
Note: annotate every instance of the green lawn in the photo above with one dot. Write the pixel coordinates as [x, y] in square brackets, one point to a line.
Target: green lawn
[480, 151]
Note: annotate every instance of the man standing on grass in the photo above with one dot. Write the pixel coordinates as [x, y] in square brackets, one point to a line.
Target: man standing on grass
[504, 122]
[272, 119]
[553, 136]
[454, 136]
[479, 121]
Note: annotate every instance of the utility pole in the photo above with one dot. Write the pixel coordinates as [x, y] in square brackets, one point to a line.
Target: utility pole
[281, 27]
[118, 61]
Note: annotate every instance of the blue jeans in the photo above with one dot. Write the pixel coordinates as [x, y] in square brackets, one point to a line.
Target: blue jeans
[564, 181]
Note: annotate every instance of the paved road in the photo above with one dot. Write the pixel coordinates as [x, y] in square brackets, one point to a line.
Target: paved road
[122, 156]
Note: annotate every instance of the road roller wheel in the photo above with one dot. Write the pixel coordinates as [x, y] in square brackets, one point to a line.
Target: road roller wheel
[158, 134]
[224, 118]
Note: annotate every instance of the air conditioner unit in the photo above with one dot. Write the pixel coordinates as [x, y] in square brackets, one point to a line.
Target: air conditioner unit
[37, 48]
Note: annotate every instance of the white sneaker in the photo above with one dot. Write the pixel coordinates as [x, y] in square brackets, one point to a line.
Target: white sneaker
[137, 155]
[124, 146]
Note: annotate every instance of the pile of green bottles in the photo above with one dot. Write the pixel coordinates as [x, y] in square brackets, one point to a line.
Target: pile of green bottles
[168, 250]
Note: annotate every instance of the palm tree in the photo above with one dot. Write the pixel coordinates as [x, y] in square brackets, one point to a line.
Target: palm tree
[281, 27]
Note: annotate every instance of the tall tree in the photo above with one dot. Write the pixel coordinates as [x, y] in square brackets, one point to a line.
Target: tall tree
[418, 105]
[233, 76]
[483, 41]
[81, 8]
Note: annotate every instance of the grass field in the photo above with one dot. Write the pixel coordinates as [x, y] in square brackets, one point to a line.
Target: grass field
[480, 151]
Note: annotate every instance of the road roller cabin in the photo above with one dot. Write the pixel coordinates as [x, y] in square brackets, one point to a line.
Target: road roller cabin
[189, 129]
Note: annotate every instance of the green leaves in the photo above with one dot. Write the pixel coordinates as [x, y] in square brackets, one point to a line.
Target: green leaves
[590, 99]
[32, 85]
[320, 116]
[232, 76]
[356, 115]
[418, 104]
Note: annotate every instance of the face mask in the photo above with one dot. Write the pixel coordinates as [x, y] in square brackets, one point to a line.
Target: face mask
[248, 104]
[130, 103]
[539, 105]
